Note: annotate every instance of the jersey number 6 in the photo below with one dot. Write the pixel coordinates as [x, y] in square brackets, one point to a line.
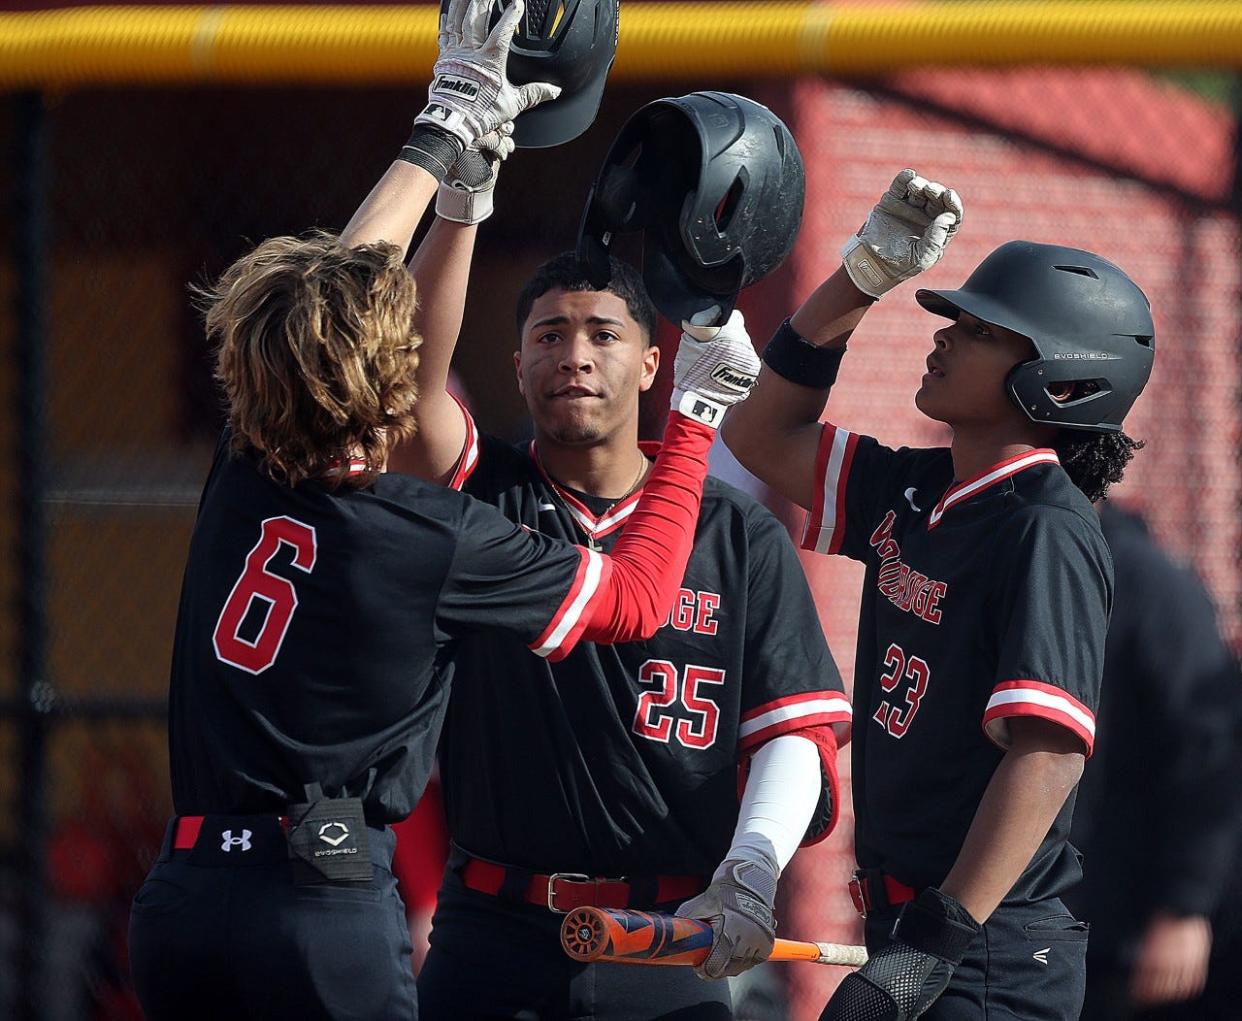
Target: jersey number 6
[257, 582]
[652, 723]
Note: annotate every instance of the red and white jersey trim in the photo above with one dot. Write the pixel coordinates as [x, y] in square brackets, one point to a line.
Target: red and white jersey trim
[795, 712]
[469, 459]
[1035, 698]
[825, 525]
[991, 476]
[563, 631]
[595, 527]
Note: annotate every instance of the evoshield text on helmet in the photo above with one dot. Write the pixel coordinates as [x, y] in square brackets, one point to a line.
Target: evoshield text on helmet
[715, 182]
[1090, 323]
[570, 43]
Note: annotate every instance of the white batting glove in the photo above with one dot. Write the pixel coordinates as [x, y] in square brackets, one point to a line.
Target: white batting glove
[738, 905]
[715, 367]
[465, 194]
[469, 94]
[906, 233]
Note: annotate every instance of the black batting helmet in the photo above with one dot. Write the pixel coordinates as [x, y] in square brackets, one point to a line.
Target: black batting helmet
[1089, 322]
[716, 183]
[570, 43]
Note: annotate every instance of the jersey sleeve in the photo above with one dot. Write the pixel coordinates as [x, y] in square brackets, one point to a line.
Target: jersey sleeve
[505, 576]
[1053, 600]
[790, 682]
[853, 476]
[468, 461]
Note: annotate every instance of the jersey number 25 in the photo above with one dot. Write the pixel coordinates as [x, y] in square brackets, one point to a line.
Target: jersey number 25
[653, 723]
[257, 582]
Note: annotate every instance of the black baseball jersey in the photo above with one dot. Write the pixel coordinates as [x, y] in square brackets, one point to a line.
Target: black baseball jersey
[982, 600]
[623, 760]
[316, 627]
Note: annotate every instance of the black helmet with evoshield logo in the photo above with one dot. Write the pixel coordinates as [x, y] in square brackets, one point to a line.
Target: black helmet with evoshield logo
[1090, 324]
[715, 182]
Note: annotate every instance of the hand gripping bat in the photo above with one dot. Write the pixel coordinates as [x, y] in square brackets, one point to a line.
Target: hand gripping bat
[639, 937]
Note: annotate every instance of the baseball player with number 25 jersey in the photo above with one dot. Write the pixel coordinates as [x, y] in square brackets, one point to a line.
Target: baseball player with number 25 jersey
[612, 777]
[985, 603]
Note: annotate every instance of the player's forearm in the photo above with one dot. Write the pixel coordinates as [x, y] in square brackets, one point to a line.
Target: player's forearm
[647, 564]
[393, 209]
[833, 311]
[441, 271]
[775, 432]
[1018, 808]
[782, 792]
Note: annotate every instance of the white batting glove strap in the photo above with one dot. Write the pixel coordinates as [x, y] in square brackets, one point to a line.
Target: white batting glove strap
[905, 234]
[738, 905]
[465, 194]
[716, 367]
[469, 94]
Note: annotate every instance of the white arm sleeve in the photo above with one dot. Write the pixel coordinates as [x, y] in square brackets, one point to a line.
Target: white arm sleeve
[781, 794]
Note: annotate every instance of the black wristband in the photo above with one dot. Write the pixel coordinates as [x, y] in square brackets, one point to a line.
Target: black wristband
[432, 149]
[795, 359]
[934, 923]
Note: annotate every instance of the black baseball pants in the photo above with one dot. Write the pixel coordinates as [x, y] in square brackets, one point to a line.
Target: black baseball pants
[238, 939]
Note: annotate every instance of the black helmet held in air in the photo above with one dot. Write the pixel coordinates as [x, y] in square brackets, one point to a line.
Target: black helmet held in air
[570, 43]
[715, 182]
[1090, 324]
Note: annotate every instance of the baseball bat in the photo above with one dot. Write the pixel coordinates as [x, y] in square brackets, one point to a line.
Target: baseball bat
[641, 937]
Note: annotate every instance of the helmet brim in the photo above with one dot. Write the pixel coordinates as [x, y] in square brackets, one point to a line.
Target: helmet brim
[981, 306]
[562, 119]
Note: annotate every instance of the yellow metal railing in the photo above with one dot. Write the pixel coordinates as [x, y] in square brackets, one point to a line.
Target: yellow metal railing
[676, 41]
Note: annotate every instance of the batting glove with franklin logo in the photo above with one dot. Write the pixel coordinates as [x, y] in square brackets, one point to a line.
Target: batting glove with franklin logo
[716, 366]
[738, 905]
[906, 233]
[470, 96]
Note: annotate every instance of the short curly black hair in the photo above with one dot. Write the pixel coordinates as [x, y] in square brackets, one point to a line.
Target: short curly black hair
[566, 273]
[1094, 461]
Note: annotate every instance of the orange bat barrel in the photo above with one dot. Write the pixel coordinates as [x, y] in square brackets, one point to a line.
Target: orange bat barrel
[634, 937]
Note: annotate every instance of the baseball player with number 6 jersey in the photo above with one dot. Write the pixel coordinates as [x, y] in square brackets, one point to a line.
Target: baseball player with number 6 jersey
[323, 597]
[985, 602]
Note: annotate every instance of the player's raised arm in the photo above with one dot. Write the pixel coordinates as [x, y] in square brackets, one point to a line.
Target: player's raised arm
[469, 101]
[905, 234]
[441, 270]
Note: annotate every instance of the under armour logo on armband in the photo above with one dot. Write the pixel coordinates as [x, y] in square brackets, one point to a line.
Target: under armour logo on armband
[230, 841]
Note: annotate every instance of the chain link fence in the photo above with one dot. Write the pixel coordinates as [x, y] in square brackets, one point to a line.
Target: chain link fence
[120, 197]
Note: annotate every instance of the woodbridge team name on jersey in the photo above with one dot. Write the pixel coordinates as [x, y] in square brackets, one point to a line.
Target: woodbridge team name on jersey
[693, 611]
[900, 584]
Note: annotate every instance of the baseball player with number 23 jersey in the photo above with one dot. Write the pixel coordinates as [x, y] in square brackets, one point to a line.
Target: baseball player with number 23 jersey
[985, 601]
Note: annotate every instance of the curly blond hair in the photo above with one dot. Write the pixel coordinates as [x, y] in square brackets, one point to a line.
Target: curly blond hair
[316, 354]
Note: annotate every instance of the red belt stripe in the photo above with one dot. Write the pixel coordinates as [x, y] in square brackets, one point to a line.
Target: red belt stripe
[569, 894]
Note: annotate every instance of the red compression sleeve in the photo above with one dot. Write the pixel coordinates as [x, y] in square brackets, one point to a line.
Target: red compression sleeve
[645, 569]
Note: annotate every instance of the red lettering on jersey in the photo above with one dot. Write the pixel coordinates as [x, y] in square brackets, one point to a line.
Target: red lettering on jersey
[704, 622]
[882, 538]
[931, 612]
[683, 611]
[694, 611]
[904, 587]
